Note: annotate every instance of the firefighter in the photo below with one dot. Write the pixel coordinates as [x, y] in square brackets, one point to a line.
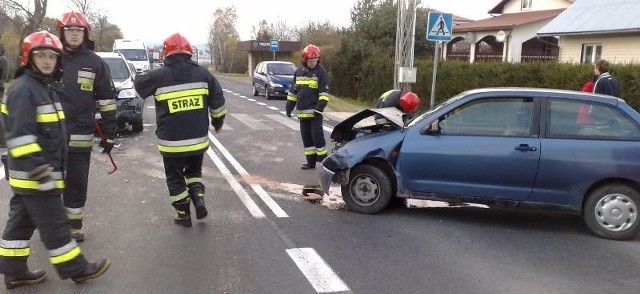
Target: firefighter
[86, 80]
[37, 151]
[185, 95]
[310, 94]
[407, 102]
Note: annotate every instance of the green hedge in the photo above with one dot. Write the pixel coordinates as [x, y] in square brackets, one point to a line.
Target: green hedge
[376, 77]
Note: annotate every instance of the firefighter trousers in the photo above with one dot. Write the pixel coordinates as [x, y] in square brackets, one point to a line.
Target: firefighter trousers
[184, 176]
[28, 212]
[75, 192]
[315, 148]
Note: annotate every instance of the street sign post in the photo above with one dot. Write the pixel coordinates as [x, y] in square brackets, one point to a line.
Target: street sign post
[274, 46]
[439, 29]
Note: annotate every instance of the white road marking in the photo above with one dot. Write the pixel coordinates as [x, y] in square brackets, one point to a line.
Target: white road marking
[250, 121]
[251, 99]
[261, 103]
[285, 121]
[242, 96]
[273, 108]
[277, 210]
[318, 272]
[234, 93]
[151, 106]
[228, 91]
[242, 194]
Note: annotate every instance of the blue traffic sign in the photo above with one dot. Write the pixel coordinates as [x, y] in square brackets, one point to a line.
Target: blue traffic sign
[274, 45]
[439, 26]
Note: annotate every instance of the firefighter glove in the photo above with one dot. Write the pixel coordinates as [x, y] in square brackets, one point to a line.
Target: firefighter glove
[41, 173]
[107, 145]
[217, 124]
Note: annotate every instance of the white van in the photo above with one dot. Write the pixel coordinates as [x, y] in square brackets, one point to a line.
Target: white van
[135, 52]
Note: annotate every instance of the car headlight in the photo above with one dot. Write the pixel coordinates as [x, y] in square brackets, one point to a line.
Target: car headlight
[274, 85]
[127, 93]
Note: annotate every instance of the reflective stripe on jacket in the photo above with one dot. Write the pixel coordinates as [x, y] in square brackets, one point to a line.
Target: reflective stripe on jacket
[309, 92]
[186, 96]
[87, 85]
[35, 131]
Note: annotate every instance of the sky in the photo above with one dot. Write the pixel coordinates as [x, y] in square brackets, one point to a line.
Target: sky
[154, 20]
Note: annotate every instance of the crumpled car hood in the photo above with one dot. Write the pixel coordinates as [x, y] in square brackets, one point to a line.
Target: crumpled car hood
[344, 131]
[123, 84]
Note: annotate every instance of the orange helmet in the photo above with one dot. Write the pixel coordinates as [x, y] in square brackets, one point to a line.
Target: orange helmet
[409, 102]
[176, 44]
[311, 51]
[41, 39]
[73, 19]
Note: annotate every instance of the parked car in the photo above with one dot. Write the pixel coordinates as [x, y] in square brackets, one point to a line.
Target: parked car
[499, 146]
[273, 78]
[129, 104]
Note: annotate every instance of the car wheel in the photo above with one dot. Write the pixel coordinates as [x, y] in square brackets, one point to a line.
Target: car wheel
[266, 93]
[368, 190]
[255, 90]
[136, 124]
[611, 212]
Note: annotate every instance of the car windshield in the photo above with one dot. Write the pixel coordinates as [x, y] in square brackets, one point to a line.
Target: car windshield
[118, 68]
[134, 54]
[434, 108]
[281, 69]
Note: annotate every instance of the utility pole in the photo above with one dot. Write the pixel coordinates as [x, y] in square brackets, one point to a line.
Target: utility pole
[403, 71]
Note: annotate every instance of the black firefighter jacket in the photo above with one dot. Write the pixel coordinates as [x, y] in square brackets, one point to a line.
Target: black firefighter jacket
[309, 91]
[87, 81]
[186, 95]
[36, 135]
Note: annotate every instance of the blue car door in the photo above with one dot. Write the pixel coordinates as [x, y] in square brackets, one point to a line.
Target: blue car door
[488, 147]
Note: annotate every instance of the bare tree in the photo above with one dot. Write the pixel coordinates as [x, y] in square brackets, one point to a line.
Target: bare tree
[25, 18]
[280, 30]
[221, 30]
[261, 33]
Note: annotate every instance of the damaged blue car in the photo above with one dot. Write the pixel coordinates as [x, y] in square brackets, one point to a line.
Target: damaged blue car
[519, 147]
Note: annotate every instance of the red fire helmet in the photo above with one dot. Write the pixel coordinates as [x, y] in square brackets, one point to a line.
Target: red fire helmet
[311, 51]
[41, 39]
[409, 102]
[176, 44]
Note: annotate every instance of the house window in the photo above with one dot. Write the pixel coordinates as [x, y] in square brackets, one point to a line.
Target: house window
[526, 4]
[591, 53]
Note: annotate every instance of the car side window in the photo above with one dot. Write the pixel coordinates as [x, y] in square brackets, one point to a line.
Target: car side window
[506, 116]
[589, 120]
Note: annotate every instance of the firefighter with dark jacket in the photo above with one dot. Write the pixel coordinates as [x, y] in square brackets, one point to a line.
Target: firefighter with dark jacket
[186, 96]
[405, 101]
[310, 94]
[86, 81]
[37, 151]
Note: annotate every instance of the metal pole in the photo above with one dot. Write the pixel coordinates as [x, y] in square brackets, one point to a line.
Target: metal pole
[274, 56]
[436, 57]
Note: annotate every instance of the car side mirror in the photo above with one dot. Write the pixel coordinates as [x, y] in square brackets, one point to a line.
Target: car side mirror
[433, 128]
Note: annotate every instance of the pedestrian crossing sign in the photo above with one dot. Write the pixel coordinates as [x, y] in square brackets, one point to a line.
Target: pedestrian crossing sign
[439, 26]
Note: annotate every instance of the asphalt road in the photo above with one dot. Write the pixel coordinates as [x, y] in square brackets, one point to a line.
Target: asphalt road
[262, 237]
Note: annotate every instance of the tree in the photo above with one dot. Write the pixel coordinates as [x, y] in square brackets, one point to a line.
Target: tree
[222, 29]
[280, 30]
[102, 31]
[262, 33]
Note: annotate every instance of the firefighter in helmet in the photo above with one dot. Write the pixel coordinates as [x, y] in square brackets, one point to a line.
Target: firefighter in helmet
[86, 80]
[309, 93]
[405, 101]
[186, 95]
[37, 151]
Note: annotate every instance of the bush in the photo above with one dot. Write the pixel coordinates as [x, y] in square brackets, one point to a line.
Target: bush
[375, 70]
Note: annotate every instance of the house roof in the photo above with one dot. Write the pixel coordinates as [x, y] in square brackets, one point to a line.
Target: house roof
[500, 7]
[456, 18]
[596, 17]
[507, 21]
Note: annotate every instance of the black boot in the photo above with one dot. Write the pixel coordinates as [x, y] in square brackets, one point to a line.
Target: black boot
[29, 278]
[198, 202]
[92, 271]
[184, 212]
[308, 165]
